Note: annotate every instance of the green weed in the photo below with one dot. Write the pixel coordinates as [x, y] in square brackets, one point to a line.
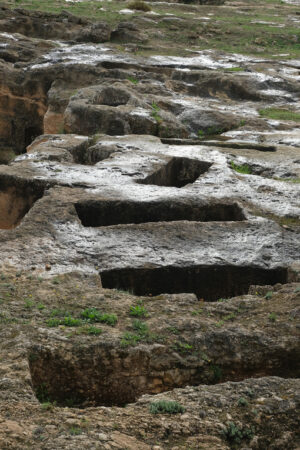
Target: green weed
[166, 407]
[92, 315]
[235, 434]
[242, 402]
[138, 311]
[280, 114]
[272, 317]
[132, 79]
[243, 168]
[139, 5]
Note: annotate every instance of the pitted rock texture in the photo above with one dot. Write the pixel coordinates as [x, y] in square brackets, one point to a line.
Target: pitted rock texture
[146, 210]
[185, 340]
[160, 181]
[63, 26]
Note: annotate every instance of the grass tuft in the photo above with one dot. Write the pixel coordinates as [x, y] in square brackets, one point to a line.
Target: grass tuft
[243, 168]
[166, 407]
[280, 114]
[139, 5]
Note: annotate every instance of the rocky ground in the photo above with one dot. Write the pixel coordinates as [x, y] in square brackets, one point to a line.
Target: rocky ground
[149, 225]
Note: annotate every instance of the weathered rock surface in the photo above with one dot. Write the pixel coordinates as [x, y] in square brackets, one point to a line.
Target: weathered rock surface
[183, 341]
[63, 26]
[159, 180]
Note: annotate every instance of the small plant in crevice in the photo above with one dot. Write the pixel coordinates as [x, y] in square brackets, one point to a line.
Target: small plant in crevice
[182, 347]
[243, 168]
[235, 434]
[42, 393]
[272, 317]
[173, 330]
[75, 431]
[280, 114]
[230, 316]
[129, 339]
[216, 372]
[197, 312]
[166, 407]
[155, 112]
[92, 315]
[141, 334]
[67, 321]
[140, 327]
[211, 131]
[242, 402]
[93, 330]
[132, 79]
[139, 5]
[53, 322]
[138, 311]
[48, 406]
[234, 69]
[29, 303]
[70, 321]
[59, 313]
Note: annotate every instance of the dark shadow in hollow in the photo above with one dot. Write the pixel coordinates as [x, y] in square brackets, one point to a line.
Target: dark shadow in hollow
[97, 213]
[178, 172]
[207, 282]
[17, 197]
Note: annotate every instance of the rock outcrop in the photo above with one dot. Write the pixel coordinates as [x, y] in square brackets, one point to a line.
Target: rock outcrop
[149, 236]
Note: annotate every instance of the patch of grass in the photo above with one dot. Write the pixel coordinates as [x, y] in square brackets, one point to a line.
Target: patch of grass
[29, 304]
[93, 330]
[272, 317]
[243, 168]
[92, 315]
[40, 306]
[155, 112]
[42, 393]
[138, 311]
[269, 295]
[139, 5]
[230, 316]
[234, 69]
[48, 406]
[58, 313]
[140, 327]
[235, 434]
[217, 373]
[280, 114]
[173, 330]
[129, 339]
[141, 333]
[242, 402]
[132, 79]
[53, 322]
[166, 407]
[75, 431]
[70, 322]
[288, 180]
[67, 321]
[182, 347]
[197, 312]
[211, 131]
